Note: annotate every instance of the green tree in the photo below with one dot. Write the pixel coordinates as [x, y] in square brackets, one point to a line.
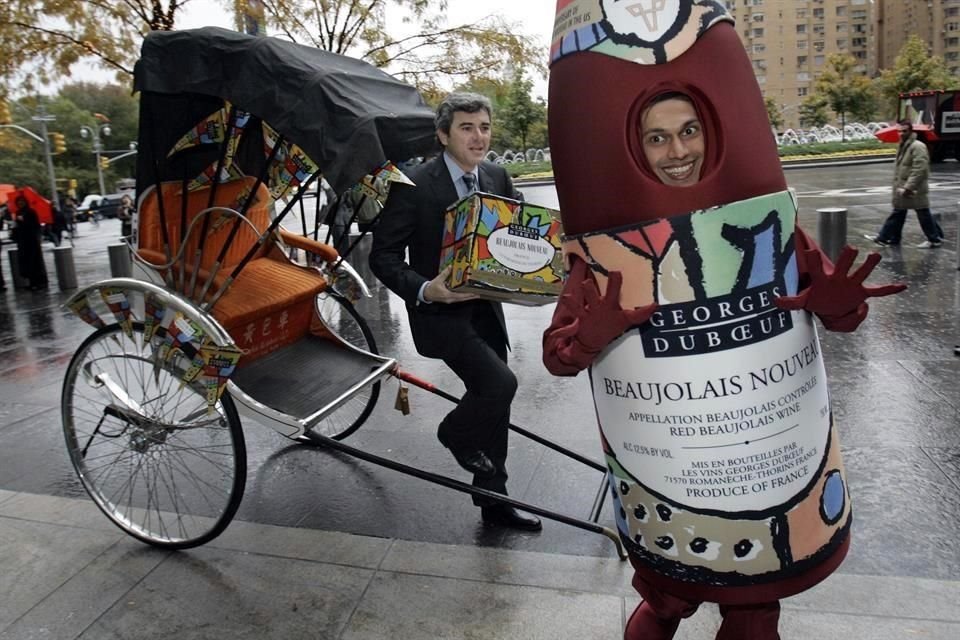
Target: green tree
[812, 111]
[520, 113]
[21, 157]
[844, 88]
[42, 39]
[114, 107]
[914, 69]
[22, 160]
[429, 53]
[773, 112]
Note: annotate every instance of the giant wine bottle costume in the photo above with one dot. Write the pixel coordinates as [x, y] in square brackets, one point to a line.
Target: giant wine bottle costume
[693, 306]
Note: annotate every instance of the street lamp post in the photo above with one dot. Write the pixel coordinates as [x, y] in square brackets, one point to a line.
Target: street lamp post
[96, 136]
[43, 118]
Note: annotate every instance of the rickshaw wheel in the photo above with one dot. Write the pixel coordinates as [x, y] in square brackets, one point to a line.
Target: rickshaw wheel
[342, 318]
[150, 454]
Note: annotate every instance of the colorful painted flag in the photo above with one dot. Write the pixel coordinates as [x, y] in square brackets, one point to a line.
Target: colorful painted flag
[196, 366]
[389, 172]
[228, 173]
[219, 365]
[81, 307]
[183, 334]
[153, 312]
[207, 131]
[119, 306]
[290, 166]
[211, 131]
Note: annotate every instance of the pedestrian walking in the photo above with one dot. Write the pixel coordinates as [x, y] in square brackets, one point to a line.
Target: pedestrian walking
[911, 175]
[58, 227]
[125, 213]
[29, 247]
[70, 217]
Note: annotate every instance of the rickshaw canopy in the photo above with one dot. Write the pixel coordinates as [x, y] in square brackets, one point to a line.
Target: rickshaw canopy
[348, 116]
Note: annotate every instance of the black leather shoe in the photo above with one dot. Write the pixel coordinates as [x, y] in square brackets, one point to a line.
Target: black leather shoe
[476, 462]
[506, 516]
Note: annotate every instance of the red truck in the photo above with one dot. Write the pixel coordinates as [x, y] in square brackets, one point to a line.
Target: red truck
[936, 120]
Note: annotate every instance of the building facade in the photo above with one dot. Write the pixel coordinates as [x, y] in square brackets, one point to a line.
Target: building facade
[937, 22]
[788, 42]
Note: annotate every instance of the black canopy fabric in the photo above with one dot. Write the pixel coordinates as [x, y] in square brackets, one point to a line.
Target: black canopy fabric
[347, 115]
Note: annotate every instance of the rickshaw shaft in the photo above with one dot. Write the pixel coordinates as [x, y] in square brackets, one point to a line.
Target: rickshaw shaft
[318, 440]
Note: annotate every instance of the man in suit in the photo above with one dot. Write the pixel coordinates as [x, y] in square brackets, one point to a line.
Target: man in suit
[469, 334]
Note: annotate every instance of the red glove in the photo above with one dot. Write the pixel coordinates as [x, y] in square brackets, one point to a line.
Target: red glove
[585, 323]
[837, 297]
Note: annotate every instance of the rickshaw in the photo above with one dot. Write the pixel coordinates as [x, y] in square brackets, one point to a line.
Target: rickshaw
[218, 320]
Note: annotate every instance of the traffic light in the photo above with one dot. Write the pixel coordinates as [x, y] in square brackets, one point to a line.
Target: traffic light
[5, 117]
[104, 163]
[59, 143]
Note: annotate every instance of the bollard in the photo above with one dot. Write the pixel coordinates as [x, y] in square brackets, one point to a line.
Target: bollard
[66, 270]
[18, 281]
[120, 264]
[832, 230]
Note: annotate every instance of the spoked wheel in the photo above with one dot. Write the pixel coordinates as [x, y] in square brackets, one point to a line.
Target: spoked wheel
[342, 318]
[157, 462]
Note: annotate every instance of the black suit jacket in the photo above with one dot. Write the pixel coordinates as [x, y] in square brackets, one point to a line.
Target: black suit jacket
[412, 220]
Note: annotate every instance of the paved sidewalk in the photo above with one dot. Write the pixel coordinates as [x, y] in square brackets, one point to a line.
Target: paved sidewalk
[68, 573]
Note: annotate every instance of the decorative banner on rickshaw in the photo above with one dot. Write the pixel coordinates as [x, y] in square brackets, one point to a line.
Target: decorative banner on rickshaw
[153, 313]
[81, 307]
[119, 305]
[196, 366]
[207, 131]
[391, 173]
[228, 173]
[210, 131]
[181, 333]
[290, 166]
[219, 364]
[716, 422]
[377, 184]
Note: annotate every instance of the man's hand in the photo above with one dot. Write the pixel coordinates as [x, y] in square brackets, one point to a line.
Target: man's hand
[438, 291]
[835, 295]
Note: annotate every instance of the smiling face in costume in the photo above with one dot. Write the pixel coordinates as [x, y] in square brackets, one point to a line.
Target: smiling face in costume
[468, 140]
[673, 142]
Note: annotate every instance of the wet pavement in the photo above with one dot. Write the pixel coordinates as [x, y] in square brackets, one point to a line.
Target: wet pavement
[894, 388]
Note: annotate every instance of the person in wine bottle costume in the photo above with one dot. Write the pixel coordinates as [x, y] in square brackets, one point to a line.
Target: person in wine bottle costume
[690, 298]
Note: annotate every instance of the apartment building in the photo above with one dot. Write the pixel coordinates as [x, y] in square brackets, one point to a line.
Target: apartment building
[937, 22]
[788, 42]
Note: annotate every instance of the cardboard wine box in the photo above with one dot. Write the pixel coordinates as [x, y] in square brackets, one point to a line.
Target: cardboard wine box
[503, 249]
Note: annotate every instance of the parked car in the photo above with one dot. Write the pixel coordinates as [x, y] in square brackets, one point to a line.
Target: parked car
[110, 204]
[89, 201]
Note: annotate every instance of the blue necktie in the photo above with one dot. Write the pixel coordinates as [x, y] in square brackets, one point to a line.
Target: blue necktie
[471, 181]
